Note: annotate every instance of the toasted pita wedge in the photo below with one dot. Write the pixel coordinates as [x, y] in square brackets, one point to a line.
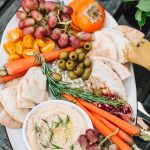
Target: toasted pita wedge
[21, 102]
[103, 76]
[7, 121]
[130, 33]
[120, 41]
[103, 46]
[34, 85]
[118, 68]
[8, 99]
[12, 82]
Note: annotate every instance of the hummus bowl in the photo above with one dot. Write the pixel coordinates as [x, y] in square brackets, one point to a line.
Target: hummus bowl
[55, 124]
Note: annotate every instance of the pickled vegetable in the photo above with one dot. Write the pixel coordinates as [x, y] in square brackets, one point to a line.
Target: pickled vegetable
[72, 75]
[86, 74]
[56, 76]
[73, 55]
[70, 65]
[62, 64]
[78, 71]
[64, 55]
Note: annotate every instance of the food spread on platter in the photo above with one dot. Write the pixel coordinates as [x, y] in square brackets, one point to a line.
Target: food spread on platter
[81, 62]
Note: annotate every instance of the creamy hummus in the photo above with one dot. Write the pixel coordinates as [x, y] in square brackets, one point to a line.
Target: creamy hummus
[55, 127]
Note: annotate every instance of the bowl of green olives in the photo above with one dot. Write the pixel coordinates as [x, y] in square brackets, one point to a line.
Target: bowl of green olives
[76, 63]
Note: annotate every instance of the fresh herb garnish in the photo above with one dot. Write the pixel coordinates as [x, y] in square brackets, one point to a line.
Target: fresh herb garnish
[46, 145]
[51, 136]
[60, 120]
[37, 128]
[72, 147]
[55, 146]
[67, 119]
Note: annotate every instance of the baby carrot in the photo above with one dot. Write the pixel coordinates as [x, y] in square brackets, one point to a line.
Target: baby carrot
[20, 65]
[5, 79]
[125, 126]
[124, 136]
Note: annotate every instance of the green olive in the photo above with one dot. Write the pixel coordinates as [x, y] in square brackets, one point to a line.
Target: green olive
[64, 55]
[81, 56]
[56, 76]
[97, 92]
[73, 55]
[78, 71]
[62, 64]
[81, 64]
[72, 75]
[87, 46]
[70, 64]
[86, 73]
[87, 62]
[79, 50]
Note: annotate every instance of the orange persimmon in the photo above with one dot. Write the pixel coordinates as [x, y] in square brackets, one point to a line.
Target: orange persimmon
[91, 16]
[74, 4]
[75, 27]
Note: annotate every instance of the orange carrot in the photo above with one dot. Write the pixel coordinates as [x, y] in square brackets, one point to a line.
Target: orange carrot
[100, 126]
[124, 136]
[20, 65]
[125, 126]
[5, 79]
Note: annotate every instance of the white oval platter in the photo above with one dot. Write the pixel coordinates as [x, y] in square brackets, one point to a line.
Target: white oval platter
[15, 135]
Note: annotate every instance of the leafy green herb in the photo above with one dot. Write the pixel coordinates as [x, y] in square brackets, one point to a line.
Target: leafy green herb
[144, 5]
[37, 128]
[55, 146]
[147, 14]
[55, 124]
[51, 136]
[138, 15]
[46, 145]
[67, 119]
[72, 147]
[60, 120]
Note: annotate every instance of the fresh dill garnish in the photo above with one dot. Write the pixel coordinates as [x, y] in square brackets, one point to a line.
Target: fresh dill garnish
[55, 146]
[60, 120]
[37, 128]
[46, 145]
[59, 88]
[72, 147]
[51, 136]
[67, 119]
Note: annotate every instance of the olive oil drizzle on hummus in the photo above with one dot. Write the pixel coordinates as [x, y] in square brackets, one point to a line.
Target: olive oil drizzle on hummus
[55, 125]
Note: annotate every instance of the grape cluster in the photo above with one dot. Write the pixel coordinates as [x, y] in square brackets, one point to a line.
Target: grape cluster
[47, 18]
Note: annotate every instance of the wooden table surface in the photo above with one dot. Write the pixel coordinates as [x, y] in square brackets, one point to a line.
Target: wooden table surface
[8, 9]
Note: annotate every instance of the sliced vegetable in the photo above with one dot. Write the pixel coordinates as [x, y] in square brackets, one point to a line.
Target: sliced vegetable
[13, 57]
[9, 47]
[14, 34]
[50, 45]
[21, 65]
[28, 41]
[19, 47]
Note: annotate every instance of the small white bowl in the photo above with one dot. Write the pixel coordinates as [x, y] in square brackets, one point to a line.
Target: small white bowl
[51, 102]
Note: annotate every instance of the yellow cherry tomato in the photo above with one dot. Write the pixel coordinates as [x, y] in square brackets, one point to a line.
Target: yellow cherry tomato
[35, 47]
[28, 41]
[13, 57]
[19, 47]
[49, 46]
[28, 53]
[9, 47]
[14, 35]
[40, 42]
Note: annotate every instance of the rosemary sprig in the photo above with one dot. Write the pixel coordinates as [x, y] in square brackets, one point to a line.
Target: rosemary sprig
[59, 88]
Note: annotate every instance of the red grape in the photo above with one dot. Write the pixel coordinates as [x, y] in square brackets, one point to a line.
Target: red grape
[48, 31]
[64, 17]
[67, 10]
[35, 14]
[52, 21]
[55, 33]
[26, 23]
[52, 13]
[28, 30]
[83, 141]
[21, 14]
[63, 40]
[50, 5]
[91, 135]
[75, 42]
[41, 4]
[93, 147]
[84, 36]
[40, 32]
[32, 4]
[23, 5]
